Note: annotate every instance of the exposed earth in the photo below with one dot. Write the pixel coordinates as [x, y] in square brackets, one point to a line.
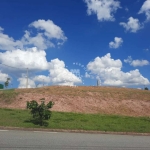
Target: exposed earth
[105, 100]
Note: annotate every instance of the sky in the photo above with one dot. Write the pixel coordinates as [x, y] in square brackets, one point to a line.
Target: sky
[75, 43]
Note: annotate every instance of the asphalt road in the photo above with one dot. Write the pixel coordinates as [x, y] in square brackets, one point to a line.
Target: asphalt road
[32, 140]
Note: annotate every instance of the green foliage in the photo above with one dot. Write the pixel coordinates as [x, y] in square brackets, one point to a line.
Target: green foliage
[40, 112]
[7, 82]
[1, 86]
[146, 88]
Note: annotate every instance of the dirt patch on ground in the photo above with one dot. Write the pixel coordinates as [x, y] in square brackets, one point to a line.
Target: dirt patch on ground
[106, 100]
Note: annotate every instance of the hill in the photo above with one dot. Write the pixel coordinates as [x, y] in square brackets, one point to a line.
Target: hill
[105, 100]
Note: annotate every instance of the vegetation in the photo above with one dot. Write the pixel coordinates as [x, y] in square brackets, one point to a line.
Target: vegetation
[73, 121]
[1, 86]
[40, 112]
[146, 88]
[7, 82]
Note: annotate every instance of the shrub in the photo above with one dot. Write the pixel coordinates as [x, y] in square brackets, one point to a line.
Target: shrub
[40, 112]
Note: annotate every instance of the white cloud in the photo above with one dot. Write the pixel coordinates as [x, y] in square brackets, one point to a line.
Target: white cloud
[137, 62]
[47, 35]
[51, 30]
[3, 77]
[146, 9]
[36, 81]
[87, 75]
[8, 43]
[117, 43]
[23, 83]
[38, 41]
[133, 25]
[128, 60]
[42, 79]
[35, 60]
[60, 75]
[110, 73]
[104, 9]
[31, 58]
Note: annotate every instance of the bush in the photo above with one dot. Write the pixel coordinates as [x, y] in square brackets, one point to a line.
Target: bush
[146, 88]
[40, 112]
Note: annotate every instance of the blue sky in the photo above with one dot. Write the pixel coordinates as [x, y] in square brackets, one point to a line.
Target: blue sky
[75, 42]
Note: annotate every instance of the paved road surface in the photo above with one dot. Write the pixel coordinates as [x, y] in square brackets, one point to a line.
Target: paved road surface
[32, 140]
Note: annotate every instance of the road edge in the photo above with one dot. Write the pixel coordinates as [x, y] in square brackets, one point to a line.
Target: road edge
[74, 131]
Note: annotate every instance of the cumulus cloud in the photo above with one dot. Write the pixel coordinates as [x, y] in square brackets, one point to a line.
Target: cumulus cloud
[145, 9]
[104, 9]
[60, 75]
[133, 25]
[3, 77]
[117, 43]
[87, 75]
[36, 81]
[51, 30]
[110, 73]
[8, 43]
[48, 35]
[29, 53]
[136, 63]
[45, 34]
[31, 58]
[23, 83]
[35, 60]
[42, 79]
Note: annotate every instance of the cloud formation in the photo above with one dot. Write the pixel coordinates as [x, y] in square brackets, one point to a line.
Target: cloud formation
[104, 9]
[42, 79]
[8, 43]
[133, 25]
[35, 60]
[23, 83]
[110, 73]
[32, 58]
[145, 9]
[136, 63]
[48, 35]
[3, 77]
[59, 75]
[117, 43]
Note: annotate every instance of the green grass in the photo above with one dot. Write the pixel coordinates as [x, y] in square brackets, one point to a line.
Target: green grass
[76, 121]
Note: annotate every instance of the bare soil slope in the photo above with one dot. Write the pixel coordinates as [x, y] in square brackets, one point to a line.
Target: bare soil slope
[106, 100]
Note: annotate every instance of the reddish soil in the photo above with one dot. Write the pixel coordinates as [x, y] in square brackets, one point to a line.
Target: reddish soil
[105, 100]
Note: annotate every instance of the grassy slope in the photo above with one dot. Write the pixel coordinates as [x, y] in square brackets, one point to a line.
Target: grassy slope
[61, 120]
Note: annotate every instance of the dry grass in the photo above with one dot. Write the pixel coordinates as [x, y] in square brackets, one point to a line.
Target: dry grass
[105, 100]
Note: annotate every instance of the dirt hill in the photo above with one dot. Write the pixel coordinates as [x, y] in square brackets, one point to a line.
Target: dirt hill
[106, 100]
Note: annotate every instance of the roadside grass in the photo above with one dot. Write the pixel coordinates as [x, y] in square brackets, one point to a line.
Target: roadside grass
[77, 121]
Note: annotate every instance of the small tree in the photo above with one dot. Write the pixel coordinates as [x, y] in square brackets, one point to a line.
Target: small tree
[40, 112]
[7, 82]
[146, 88]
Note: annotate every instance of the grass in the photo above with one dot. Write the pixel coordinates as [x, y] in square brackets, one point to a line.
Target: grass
[76, 121]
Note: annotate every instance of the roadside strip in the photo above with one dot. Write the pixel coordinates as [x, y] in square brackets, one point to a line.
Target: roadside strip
[72, 131]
